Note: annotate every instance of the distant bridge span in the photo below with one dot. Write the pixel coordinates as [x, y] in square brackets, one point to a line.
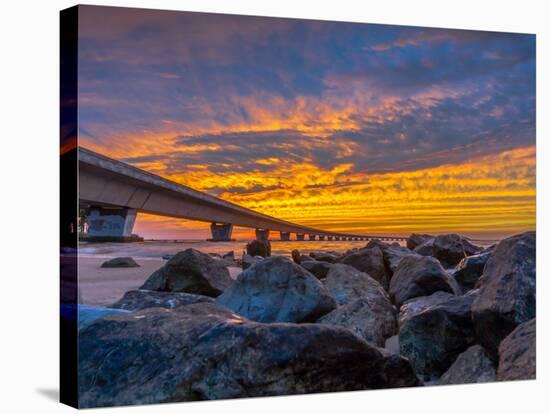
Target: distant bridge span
[114, 192]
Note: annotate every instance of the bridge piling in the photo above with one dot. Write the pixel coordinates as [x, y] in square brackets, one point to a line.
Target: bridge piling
[221, 231]
[285, 235]
[262, 234]
[111, 223]
[300, 236]
[312, 236]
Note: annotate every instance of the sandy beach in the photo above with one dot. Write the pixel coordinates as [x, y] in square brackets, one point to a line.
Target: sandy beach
[104, 286]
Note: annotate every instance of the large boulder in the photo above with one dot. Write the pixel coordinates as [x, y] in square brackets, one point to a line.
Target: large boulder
[469, 270]
[416, 239]
[420, 276]
[433, 338]
[206, 352]
[377, 243]
[259, 248]
[329, 257]
[190, 271]
[346, 284]
[507, 290]
[472, 366]
[450, 249]
[393, 256]
[316, 268]
[120, 262]
[248, 260]
[416, 305]
[372, 317]
[425, 249]
[370, 261]
[278, 290]
[139, 299]
[87, 314]
[518, 353]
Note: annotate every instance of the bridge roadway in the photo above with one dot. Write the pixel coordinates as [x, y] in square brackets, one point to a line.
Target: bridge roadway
[113, 192]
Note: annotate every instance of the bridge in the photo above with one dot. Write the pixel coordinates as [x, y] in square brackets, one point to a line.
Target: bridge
[113, 193]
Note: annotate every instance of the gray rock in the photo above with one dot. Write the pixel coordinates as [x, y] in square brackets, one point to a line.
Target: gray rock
[433, 338]
[518, 353]
[328, 257]
[370, 261]
[507, 290]
[248, 260]
[206, 352]
[393, 256]
[120, 262]
[416, 240]
[259, 248]
[472, 366]
[190, 271]
[391, 345]
[277, 290]
[420, 276]
[425, 249]
[377, 243]
[421, 303]
[316, 268]
[469, 270]
[450, 249]
[134, 300]
[346, 284]
[229, 256]
[87, 314]
[372, 317]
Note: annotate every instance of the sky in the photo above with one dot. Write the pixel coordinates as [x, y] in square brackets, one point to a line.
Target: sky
[348, 127]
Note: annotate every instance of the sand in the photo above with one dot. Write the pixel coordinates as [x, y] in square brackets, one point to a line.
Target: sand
[104, 286]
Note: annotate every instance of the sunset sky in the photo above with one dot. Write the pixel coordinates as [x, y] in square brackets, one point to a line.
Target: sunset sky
[348, 127]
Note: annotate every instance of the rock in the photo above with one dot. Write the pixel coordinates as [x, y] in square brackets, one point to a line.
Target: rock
[469, 270]
[450, 249]
[432, 339]
[425, 249]
[229, 256]
[518, 353]
[391, 345]
[277, 290]
[398, 371]
[372, 317]
[325, 257]
[248, 260]
[134, 300]
[259, 248]
[205, 352]
[419, 304]
[472, 366]
[120, 262]
[370, 261]
[190, 271]
[296, 256]
[88, 314]
[393, 256]
[346, 284]
[416, 239]
[377, 243]
[420, 276]
[316, 268]
[507, 290]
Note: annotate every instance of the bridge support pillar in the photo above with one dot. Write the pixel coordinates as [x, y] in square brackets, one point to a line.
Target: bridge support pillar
[111, 224]
[262, 234]
[312, 236]
[321, 237]
[221, 231]
[300, 236]
[285, 235]
[330, 238]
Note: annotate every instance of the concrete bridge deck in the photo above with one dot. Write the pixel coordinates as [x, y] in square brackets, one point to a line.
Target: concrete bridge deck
[114, 192]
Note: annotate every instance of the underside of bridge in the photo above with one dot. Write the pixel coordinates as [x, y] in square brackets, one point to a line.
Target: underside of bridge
[112, 194]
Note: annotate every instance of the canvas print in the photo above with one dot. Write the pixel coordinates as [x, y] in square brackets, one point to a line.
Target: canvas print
[257, 206]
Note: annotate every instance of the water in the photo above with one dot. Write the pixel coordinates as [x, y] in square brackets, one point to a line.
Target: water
[156, 249]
